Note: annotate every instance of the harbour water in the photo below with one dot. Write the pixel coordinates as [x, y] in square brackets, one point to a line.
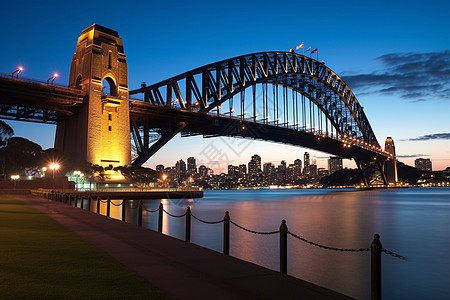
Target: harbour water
[413, 222]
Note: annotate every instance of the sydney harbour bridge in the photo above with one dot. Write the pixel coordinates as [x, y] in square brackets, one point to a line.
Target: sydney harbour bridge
[282, 97]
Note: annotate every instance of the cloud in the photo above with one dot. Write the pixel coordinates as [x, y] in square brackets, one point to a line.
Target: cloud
[412, 155]
[427, 137]
[413, 76]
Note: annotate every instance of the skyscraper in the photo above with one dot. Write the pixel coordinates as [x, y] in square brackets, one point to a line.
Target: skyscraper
[334, 164]
[423, 164]
[306, 162]
[254, 166]
[191, 166]
[390, 166]
[180, 169]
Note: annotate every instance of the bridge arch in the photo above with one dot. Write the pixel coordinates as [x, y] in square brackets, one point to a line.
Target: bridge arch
[209, 87]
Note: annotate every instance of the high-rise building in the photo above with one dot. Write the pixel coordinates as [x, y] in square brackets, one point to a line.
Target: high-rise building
[159, 168]
[233, 171]
[297, 169]
[254, 166]
[180, 169]
[334, 164]
[191, 166]
[390, 165]
[306, 162]
[242, 170]
[423, 164]
[203, 171]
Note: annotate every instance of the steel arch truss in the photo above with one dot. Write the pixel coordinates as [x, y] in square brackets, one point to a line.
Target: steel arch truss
[208, 87]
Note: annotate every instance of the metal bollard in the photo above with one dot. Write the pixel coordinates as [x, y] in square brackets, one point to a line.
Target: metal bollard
[160, 217]
[140, 213]
[124, 206]
[375, 250]
[226, 233]
[187, 236]
[283, 247]
[108, 207]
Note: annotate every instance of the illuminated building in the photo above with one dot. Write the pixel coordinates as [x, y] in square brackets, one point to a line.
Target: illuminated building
[334, 164]
[390, 166]
[423, 164]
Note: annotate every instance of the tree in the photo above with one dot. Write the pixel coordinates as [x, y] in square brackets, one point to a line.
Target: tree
[139, 174]
[5, 133]
[18, 155]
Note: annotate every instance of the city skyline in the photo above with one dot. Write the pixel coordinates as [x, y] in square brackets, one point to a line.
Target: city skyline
[396, 65]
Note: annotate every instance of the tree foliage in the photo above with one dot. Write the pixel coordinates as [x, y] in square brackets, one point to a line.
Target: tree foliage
[18, 155]
[5, 133]
[140, 175]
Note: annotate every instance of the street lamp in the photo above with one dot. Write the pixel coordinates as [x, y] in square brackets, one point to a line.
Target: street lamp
[14, 178]
[164, 177]
[54, 167]
[52, 78]
[77, 174]
[20, 69]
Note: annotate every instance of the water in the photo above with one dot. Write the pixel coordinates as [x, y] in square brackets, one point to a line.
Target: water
[413, 222]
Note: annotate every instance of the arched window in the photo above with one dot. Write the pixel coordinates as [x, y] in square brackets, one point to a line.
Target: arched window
[109, 87]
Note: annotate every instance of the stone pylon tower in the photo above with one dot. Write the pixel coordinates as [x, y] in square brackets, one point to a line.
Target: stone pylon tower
[390, 166]
[100, 131]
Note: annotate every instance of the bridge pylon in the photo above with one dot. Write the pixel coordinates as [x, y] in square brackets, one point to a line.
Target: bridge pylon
[99, 132]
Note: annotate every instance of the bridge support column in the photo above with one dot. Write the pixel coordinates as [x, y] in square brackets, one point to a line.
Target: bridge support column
[99, 132]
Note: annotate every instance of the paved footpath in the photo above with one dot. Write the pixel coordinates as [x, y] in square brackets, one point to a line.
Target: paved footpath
[182, 270]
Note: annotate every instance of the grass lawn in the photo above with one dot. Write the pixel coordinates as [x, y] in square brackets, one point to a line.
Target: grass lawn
[41, 259]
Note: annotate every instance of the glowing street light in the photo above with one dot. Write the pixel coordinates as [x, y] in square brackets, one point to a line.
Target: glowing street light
[52, 78]
[20, 69]
[14, 178]
[54, 167]
[77, 174]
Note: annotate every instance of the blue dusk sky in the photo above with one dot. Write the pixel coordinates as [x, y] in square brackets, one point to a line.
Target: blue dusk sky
[394, 55]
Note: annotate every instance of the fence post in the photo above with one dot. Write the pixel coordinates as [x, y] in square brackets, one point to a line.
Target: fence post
[75, 204]
[124, 206]
[187, 236]
[98, 205]
[226, 233]
[283, 247]
[108, 206]
[140, 213]
[160, 217]
[376, 267]
[89, 203]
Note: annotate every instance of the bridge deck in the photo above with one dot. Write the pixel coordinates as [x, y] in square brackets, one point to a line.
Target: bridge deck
[183, 270]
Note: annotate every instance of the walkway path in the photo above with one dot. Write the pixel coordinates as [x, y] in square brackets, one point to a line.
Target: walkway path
[181, 269]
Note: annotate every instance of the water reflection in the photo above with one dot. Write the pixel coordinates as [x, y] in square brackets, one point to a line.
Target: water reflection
[411, 222]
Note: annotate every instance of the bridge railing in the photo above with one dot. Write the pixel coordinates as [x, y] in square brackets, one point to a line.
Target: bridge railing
[35, 81]
[375, 248]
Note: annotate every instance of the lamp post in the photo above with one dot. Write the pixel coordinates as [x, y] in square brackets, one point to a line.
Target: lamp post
[77, 175]
[54, 167]
[14, 178]
[20, 69]
[52, 78]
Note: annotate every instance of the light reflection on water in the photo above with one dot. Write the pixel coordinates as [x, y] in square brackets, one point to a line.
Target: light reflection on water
[412, 222]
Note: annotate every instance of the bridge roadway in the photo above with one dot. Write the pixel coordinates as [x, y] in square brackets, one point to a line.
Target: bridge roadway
[34, 101]
[182, 270]
[210, 125]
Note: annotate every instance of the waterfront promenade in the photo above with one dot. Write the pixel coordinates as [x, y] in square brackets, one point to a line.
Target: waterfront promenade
[182, 270]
